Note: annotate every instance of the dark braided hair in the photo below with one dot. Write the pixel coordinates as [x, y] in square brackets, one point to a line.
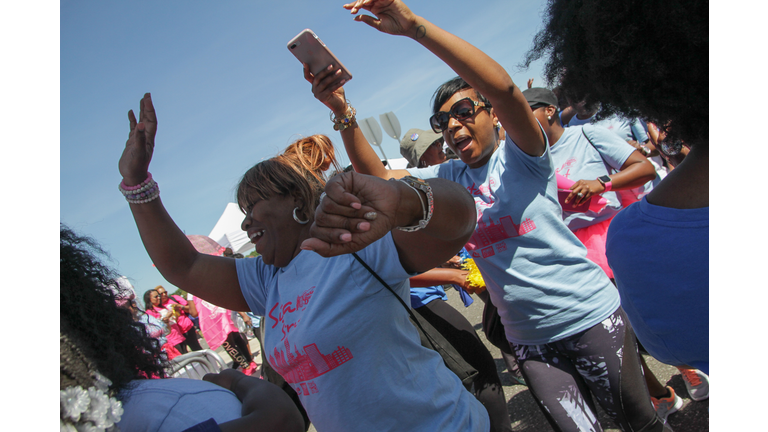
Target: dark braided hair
[105, 334]
[638, 58]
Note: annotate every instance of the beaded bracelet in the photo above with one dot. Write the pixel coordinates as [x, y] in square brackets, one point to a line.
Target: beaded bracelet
[348, 120]
[417, 184]
[146, 181]
[144, 192]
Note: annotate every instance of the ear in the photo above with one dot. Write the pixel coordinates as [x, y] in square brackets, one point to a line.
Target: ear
[493, 115]
[298, 202]
[552, 111]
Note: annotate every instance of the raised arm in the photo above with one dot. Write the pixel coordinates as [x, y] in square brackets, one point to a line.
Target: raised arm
[327, 88]
[360, 209]
[480, 71]
[209, 277]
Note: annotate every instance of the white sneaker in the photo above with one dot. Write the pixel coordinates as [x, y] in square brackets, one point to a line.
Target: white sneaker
[697, 383]
[668, 405]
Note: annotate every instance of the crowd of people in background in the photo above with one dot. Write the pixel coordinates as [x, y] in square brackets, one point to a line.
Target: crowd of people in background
[584, 207]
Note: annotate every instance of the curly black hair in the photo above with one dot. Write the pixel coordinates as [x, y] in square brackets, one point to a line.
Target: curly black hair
[117, 346]
[638, 58]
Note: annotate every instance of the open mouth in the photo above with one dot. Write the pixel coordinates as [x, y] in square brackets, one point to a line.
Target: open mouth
[462, 143]
[256, 236]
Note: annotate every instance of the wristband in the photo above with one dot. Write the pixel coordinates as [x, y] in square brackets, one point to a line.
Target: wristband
[607, 187]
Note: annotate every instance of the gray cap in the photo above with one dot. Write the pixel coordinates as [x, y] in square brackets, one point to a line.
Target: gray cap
[539, 95]
[415, 143]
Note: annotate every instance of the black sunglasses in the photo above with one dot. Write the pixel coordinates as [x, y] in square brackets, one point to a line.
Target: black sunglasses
[461, 110]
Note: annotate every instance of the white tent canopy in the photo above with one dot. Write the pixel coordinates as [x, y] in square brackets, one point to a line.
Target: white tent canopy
[227, 231]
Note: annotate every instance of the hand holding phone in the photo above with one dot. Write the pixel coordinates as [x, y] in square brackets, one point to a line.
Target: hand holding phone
[310, 50]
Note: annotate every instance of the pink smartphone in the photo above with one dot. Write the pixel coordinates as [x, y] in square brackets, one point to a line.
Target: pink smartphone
[562, 194]
[309, 49]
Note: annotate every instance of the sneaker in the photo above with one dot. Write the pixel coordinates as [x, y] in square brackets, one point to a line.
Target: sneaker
[668, 405]
[697, 383]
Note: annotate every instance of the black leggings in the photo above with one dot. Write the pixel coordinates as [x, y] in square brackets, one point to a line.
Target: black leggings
[237, 348]
[602, 361]
[460, 333]
[190, 339]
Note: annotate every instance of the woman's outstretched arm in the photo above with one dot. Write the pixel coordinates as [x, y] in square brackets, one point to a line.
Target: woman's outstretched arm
[211, 278]
[479, 70]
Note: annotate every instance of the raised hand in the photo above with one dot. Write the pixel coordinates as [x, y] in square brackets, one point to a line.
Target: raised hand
[327, 87]
[392, 16]
[134, 163]
[357, 211]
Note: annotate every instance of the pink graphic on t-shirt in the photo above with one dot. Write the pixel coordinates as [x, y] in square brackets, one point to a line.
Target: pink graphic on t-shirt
[296, 367]
[489, 233]
[278, 313]
[565, 170]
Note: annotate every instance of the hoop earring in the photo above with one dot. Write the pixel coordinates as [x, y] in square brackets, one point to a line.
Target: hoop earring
[296, 218]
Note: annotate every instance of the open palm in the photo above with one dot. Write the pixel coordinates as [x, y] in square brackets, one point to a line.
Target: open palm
[134, 162]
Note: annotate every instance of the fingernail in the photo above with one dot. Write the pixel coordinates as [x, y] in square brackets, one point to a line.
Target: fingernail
[338, 72]
[356, 206]
[140, 126]
[307, 248]
[330, 67]
[371, 215]
[345, 237]
[364, 226]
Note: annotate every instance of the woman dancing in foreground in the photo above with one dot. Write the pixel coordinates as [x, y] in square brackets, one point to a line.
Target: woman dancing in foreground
[342, 340]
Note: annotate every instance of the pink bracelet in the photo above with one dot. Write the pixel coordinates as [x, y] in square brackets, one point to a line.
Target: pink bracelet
[138, 186]
[607, 187]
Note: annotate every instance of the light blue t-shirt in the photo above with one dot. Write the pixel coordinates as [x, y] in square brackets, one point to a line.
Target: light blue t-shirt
[535, 269]
[576, 159]
[627, 129]
[660, 260]
[175, 404]
[348, 348]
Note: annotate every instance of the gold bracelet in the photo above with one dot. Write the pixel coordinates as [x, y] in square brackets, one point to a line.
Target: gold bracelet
[346, 121]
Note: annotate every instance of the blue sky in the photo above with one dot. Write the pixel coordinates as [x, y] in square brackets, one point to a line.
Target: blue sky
[228, 94]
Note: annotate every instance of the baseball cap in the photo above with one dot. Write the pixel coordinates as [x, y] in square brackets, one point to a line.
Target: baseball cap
[540, 95]
[415, 143]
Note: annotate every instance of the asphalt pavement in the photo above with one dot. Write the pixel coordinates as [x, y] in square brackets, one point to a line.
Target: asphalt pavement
[523, 411]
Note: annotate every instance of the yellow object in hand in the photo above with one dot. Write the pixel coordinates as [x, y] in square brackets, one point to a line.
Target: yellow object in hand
[474, 277]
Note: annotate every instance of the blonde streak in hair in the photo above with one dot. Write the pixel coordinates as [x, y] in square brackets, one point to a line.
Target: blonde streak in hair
[325, 145]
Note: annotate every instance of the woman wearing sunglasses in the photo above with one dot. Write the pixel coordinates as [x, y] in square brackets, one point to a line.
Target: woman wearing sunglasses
[342, 341]
[560, 311]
